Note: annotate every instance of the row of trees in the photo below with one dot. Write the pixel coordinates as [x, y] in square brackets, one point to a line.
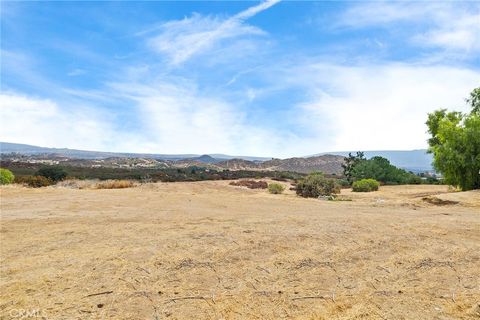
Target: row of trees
[357, 167]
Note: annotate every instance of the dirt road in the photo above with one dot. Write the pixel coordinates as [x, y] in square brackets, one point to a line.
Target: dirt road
[208, 250]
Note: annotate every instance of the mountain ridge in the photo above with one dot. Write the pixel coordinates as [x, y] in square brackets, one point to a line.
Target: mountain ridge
[330, 162]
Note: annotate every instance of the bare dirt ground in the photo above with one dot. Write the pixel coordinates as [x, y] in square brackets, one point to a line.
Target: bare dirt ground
[208, 250]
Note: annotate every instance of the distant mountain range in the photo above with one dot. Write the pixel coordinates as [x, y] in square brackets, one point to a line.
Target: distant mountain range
[7, 147]
[415, 160]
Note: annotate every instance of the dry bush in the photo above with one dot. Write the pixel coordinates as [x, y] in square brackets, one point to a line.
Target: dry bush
[33, 181]
[251, 184]
[275, 188]
[115, 184]
[315, 185]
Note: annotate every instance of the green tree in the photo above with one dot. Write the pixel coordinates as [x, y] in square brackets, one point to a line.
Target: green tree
[54, 173]
[380, 169]
[349, 164]
[455, 144]
[474, 100]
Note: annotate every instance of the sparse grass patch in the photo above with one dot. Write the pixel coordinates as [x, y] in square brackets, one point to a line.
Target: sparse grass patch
[339, 199]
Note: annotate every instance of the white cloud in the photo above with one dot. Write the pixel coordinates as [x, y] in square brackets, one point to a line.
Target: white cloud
[180, 40]
[178, 119]
[43, 122]
[376, 107]
[451, 26]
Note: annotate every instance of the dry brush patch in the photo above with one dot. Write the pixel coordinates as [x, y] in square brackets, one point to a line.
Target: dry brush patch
[115, 184]
[251, 184]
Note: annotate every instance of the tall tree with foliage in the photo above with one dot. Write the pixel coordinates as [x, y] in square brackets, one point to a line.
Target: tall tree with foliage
[455, 144]
[349, 164]
[474, 100]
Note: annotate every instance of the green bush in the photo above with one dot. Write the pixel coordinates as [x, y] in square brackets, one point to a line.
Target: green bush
[344, 183]
[34, 181]
[414, 179]
[365, 185]
[316, 185]
[275, 188]
[54, 173]
[6, 176]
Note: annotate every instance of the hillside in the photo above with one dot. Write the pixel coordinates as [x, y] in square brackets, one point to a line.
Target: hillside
[330, 164]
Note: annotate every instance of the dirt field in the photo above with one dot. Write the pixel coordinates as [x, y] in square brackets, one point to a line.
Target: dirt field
[208, 250]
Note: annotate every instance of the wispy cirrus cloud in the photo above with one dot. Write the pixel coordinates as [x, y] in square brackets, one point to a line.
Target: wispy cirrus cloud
[183, 39]
[452, 26]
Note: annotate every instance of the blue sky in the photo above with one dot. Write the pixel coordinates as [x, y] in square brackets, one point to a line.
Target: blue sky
[246, 78]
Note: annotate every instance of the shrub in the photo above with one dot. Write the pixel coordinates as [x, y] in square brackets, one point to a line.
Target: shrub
[276, 188]
[365, 185]
[115, 184]
[34, 181]
[251, 184]
[54, 173]
[6, 176]
[344, 183]
[414, 179]
[316, 185]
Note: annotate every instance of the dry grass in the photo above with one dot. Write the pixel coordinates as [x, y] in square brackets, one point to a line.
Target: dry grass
[95, 184]
[115, 184]
[210, 251]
